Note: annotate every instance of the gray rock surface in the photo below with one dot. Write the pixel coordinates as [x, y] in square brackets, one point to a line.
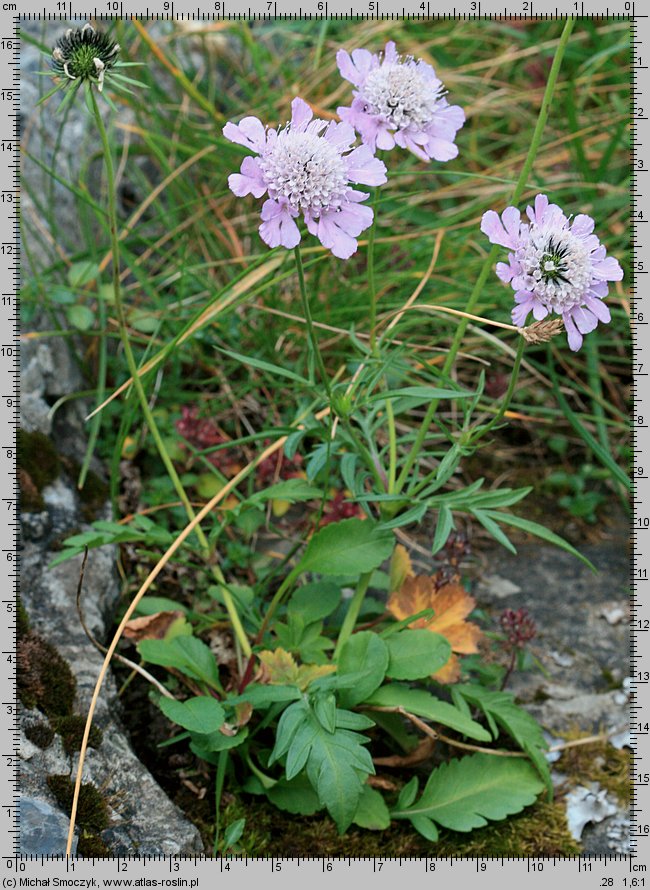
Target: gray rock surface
[583, 647]
[142, 818]
[44, 829]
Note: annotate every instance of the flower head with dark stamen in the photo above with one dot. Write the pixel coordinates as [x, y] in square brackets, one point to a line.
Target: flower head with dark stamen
[85, 54]
[307, 169]
[399, 101]
[556, 265]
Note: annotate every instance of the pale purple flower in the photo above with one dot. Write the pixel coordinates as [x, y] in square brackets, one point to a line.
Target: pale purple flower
[556, 265]
[307, 168]
[399, 101]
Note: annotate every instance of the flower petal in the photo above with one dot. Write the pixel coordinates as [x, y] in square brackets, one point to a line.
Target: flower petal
[525, 302]
[607, 269]
[341, 135]
[599, 309]
[250, 132]
[250, 181]
[390, 53]
[364, 62]
[539, 311]
[536, 215]
[347, 67]
[573, 334]
[301, 114]
[582, 225]
[364, 167]
[505, 272]
[278, 226]
[493, 227]
[585, 320]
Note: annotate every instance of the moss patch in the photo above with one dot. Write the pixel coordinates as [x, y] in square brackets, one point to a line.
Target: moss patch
[44, 678]
[22, 619]
[92, 813]
[40, 734]
[599, 762]
[92, 847]
[38, 458]
[540, 830]
[71, 729]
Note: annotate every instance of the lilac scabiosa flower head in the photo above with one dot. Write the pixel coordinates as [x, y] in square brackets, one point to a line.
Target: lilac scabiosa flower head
[307, 168]
[399, 101]
[555, 265]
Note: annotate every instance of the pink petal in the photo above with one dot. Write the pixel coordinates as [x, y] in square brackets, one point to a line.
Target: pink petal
[249, 182]
[365, 124]
[539, 311]
[607, 269]
[338, 230]
[600, 310]
[354, 218]
[525, 302]
[404, 140]
[390, 53]
[441, 149]
[582, 225]
[384, 139]
[492, 226]
[339, 242]
[347, 67]
[585, 320]
[340, 135]
[537, 215]
[364, 62]
[301, 114]
[573, 334]
[598, 289]
[505, 272]
[448, 120]
[278, 227]
[249, 132]
[364, 167]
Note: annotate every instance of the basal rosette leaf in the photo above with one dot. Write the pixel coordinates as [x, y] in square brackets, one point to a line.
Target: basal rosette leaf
[466, 793]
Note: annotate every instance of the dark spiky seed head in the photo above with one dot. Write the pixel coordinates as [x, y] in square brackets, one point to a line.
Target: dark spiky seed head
[75, 53]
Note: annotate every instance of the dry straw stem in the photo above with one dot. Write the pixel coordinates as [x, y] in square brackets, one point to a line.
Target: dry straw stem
[249, 281]
[151, 197]
[151, 577]
[454, 743]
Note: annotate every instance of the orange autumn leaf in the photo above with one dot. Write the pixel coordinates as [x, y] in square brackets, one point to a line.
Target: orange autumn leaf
[451, 604]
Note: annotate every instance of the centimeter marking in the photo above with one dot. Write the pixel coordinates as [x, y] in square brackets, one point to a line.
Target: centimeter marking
[10, 254]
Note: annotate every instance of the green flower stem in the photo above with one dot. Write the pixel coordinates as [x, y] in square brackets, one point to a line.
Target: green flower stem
[278, 596]
[313, 339]
[137, 382]
[498, 417]
[494, 252]
[352, 614]
[364, 452]
[392, 447]
[372, 289]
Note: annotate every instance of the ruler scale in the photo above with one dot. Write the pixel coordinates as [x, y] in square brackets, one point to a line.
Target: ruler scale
[599, 871]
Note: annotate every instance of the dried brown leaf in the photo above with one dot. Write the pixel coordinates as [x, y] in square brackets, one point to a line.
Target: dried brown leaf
[151, 627]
